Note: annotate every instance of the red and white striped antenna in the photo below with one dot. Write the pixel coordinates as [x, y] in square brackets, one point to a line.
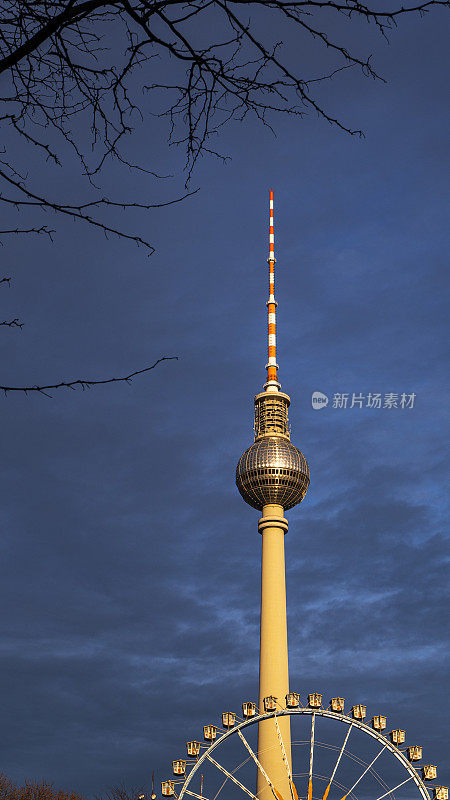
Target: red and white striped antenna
[272, 384]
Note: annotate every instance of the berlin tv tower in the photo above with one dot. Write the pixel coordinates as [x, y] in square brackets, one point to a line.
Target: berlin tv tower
[273, 476]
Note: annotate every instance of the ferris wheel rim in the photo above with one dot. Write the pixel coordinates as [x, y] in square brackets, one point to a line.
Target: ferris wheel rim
[321, 712]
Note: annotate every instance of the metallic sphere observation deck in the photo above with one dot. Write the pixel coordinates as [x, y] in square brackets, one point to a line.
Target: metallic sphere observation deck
[272, 470]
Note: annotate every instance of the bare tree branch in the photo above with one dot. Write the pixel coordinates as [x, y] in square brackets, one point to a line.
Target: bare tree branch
[12, 323]
[81, 65]
[84, 384]
[79, 211]
[19, 231]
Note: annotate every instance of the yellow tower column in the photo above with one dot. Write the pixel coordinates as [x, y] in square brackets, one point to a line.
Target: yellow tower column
[272, 476]
[273, 665]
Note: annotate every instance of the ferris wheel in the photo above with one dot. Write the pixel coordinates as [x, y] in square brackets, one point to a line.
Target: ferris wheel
[335, 755]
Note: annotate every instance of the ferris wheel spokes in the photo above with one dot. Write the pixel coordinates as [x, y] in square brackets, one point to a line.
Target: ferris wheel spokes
[311, 756]
[395, 788]
[198, 796]
[294, 794]
[231, 776]
[258, 764]
[283, 750]
[364, 773]
[341, 753]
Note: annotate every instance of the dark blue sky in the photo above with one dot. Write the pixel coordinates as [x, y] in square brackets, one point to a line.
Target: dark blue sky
[130, 565]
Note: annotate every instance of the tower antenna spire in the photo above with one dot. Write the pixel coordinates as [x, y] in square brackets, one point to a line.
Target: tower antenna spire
[272, 384]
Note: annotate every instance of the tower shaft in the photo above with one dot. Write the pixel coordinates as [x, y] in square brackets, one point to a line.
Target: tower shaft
[273, 666]
[273, 476]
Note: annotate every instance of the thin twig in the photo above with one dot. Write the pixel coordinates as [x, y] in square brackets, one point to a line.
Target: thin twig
[12, 323]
